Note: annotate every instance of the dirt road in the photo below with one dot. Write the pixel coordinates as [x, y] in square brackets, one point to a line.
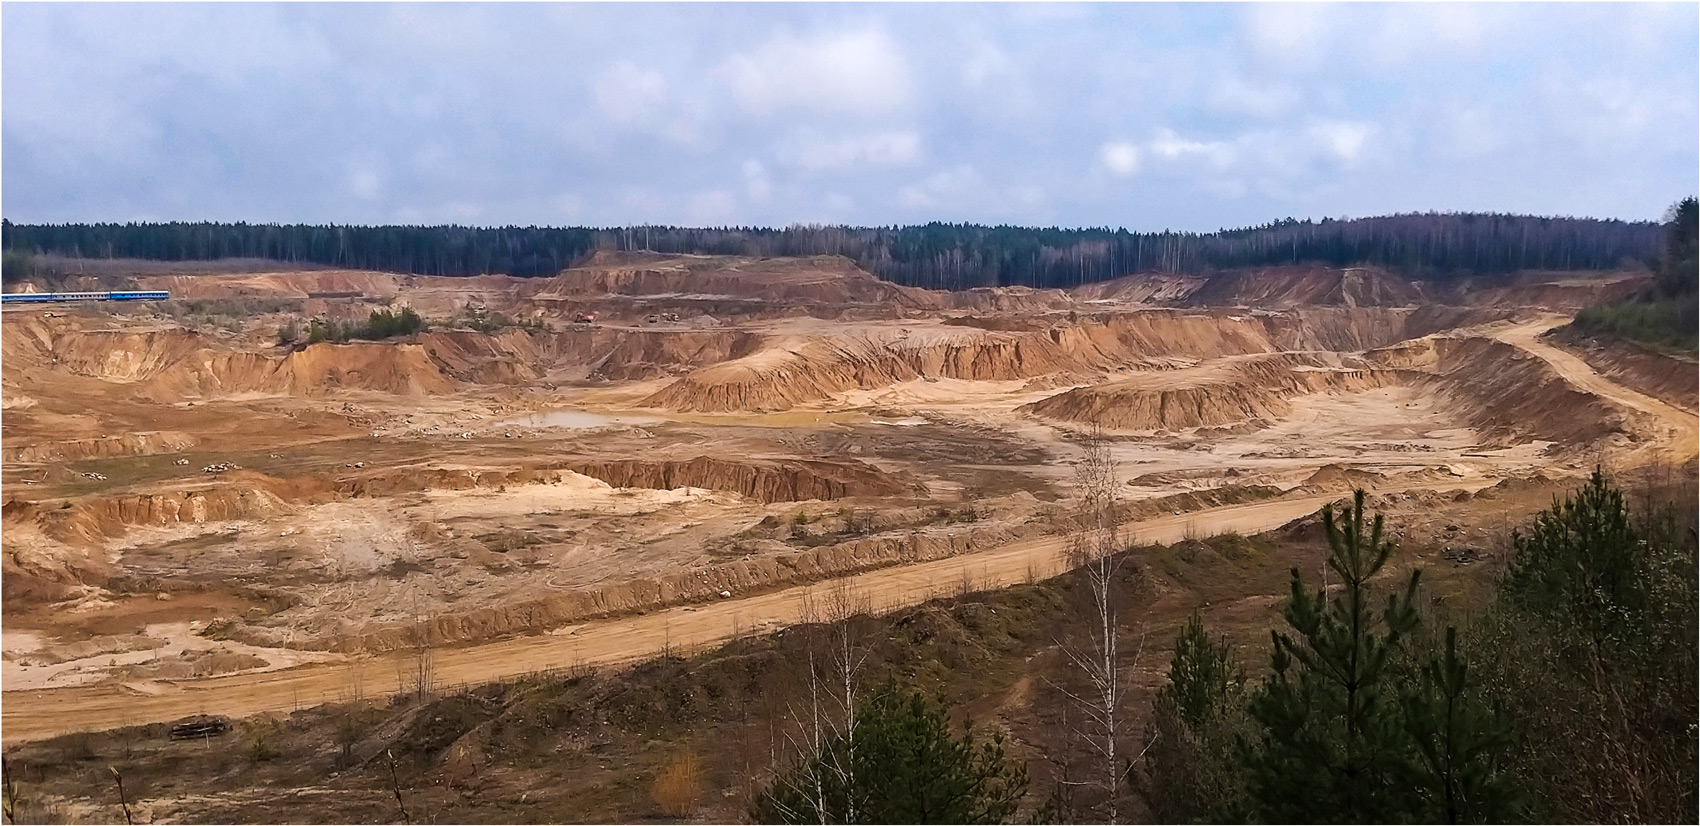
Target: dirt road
[1683, 426]
[36, 714]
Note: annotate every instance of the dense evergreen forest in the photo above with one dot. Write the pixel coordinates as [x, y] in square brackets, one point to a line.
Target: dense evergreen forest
[940, 256]
[1666, 313]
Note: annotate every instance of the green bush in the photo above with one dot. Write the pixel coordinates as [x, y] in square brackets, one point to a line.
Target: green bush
[899, 763]
[381, 324]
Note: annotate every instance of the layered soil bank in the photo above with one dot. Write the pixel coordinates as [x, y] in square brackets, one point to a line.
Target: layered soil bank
[646, 430]
[1669, 378]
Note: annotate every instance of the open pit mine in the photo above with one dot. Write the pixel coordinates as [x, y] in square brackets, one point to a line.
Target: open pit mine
[205, 513]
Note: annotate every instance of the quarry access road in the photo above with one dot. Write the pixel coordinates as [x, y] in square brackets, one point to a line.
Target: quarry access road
[41, 713]
[1684, 426]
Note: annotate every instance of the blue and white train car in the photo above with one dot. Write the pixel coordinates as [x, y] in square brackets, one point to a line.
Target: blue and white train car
[122, 295]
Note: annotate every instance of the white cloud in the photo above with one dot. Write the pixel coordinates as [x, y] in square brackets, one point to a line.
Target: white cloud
[628, 93]
[711, 208]
[1295, 34]
[882, 149]
[1234, 95]
[1120, 157]
[756, 185]
[365, 183]
[1344, 141]
[1408, 32]
[1170, 146]
[941, 188]
[859, 72]
[914, 112]
[1471, 131]
[1611, 111]
[987, 62]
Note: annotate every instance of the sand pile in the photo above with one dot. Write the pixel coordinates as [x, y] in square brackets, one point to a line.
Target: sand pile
[826, 279]
[793, 370]
[1509, 395]
[300, 284]
[94, 520]
[783, 479]
[385, 367]
[789, 370]
[1263, 287]
[144, 443]
[1670, 379]
[1141, 288]
[1218, 393]
[1306, 286]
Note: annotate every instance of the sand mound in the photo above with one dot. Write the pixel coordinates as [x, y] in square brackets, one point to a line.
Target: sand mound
[766, 480]
[795, 370]
[301, 284]
[1670, 379]
[1508, 395]
[706, 582]
[1141, 288]
[385, 367]
[126, 444]
[823, 279]
[789, 370]
[173, 363]
[1311, 286]
[1211, 395]
[90, 521]
[1334, 475]
[1264, 287]
[1564, 292]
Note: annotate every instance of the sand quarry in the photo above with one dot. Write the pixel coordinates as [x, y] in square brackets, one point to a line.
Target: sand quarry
[199, 519]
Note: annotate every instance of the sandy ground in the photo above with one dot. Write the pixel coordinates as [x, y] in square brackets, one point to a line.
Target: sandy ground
[253, 541]
[1680, 436]
[43, 713]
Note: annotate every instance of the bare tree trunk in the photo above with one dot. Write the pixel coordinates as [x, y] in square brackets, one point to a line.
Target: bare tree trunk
[1094, 549]
[123, 801]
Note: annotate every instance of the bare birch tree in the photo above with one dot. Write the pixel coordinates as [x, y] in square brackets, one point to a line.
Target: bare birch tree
[1094, 548]
[832, 697]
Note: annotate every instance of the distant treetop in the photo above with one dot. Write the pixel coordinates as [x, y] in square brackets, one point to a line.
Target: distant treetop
[935, 255]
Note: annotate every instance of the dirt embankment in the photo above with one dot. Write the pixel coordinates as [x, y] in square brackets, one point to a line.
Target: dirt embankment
[1306, 286]
[168, 364]
[1262, 287]
[709, 582]
[1255, 389]
[791, 370]
[826, 279]
[123, 444]
[252, 495]
[795, 370]
[1506, 394]
[765, 480]
[1668, 378]
[1564, 292]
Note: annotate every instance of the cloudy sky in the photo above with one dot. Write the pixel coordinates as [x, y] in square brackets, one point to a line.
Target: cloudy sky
[1148, 116]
